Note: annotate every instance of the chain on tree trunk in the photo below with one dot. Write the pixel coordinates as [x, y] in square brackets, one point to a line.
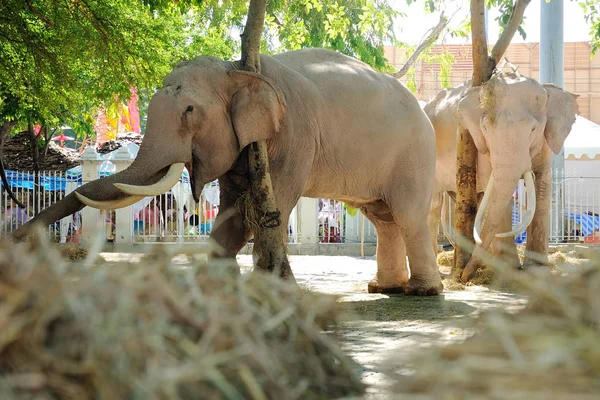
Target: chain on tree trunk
[269, 235]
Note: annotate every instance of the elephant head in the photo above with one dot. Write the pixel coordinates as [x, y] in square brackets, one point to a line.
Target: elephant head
[511, 118]
[204, 115]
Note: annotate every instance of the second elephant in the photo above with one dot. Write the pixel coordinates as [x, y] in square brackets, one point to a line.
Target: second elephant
[516, 124]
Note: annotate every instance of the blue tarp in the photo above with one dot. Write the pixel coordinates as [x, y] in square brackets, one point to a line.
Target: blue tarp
[23, 180]
[588, 224]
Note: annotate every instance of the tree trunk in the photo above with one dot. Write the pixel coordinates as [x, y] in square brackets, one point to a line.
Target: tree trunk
[35, 153]
[5, 129]
[466, 172]
[269, 242]
[466, 200]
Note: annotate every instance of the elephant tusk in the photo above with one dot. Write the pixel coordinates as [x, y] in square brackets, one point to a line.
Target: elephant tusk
[531, 205]
[160, 187]
[108, 204]
[481, 210]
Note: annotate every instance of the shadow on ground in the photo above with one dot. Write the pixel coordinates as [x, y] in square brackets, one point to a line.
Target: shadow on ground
[407, 308]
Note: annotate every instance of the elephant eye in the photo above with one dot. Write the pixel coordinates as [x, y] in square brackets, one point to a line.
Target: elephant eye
[189, 109]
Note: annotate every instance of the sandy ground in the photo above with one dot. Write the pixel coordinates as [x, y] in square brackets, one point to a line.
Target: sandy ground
[384, 329]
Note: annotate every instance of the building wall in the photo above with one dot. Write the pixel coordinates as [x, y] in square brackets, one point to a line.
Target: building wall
[582, 74]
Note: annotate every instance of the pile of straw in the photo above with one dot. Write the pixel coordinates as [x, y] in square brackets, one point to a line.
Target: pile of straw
[551, 349]
[155, 331]
[73, 252]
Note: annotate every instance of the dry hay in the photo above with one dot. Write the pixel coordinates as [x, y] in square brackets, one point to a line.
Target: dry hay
[445, 258]
[482, 277]
[551, 349]
[73, 252]
[154, 331]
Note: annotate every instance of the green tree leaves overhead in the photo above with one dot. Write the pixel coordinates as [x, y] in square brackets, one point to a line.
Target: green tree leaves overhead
[59, 59]
[591, 11]
[62, 58]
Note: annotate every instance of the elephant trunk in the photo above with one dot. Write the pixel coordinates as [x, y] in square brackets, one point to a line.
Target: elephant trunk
[100, 191]
[496, 202]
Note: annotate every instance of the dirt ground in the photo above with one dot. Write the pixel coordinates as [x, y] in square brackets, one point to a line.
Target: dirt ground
[384, 329]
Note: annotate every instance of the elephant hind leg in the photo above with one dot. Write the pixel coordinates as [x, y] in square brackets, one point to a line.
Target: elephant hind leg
[392, 272]
[433, 219]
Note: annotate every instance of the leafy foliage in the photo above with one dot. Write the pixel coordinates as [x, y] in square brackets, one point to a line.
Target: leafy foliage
[505, 7]
[59, 59]
[591, 10]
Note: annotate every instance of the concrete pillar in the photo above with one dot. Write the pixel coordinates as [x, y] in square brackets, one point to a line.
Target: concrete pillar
[552, 71]
[90, 217]
[307, 220]
[123, 216]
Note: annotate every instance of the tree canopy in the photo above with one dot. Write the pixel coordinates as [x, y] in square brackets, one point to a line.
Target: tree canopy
[60, 59]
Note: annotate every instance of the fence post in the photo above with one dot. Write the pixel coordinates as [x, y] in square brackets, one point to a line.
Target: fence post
[123, 216]
[307, 219]
[89, 216]
[64, 223]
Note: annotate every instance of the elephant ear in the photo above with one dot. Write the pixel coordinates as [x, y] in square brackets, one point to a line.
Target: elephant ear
[470, 113]
[561, 111]
[257, 108]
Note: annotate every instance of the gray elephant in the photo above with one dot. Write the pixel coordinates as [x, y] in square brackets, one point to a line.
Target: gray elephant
[516, 124]
[335, 128]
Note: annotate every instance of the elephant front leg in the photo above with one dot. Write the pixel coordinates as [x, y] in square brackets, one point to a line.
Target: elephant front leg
[536, 249]
[230, 232]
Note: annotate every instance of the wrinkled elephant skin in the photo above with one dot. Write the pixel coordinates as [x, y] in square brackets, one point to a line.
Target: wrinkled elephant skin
[334, 127]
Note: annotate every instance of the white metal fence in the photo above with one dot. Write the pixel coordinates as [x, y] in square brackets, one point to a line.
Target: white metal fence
[51, 187]
[176, 217]
[575, 219]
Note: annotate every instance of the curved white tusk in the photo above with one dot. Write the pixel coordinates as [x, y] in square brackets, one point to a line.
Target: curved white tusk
[531, 205]
[108, 204]
[481, 210]
[160, 187]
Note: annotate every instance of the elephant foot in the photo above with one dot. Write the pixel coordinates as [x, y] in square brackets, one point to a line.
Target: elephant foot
[424, 287]
[375, 287]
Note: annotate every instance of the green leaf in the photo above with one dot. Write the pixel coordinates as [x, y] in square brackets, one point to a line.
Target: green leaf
[351, 211]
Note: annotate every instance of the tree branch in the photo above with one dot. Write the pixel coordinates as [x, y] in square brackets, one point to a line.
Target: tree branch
[38, 14]
[516, 17]
[425, 44]
[481, 62]
[251, 35]
[47, 137]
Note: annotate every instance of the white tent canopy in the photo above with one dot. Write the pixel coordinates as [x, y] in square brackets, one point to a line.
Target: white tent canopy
[581, 179]
[583, 143]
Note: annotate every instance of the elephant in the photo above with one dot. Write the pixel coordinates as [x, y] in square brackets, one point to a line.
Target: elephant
[334, 128]
[516, 124]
